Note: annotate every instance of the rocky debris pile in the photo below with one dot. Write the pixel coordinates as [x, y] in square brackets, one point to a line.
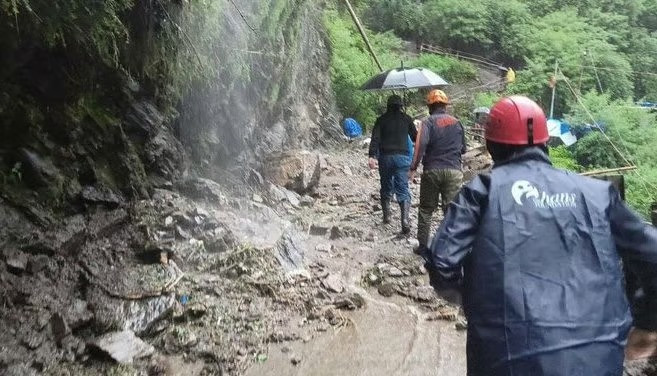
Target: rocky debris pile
[476, 161]
[196, 274]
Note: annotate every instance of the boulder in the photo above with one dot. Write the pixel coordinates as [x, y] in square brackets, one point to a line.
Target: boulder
[200, 188]
[299, 171]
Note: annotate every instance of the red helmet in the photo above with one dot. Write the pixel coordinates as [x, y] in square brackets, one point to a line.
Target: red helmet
[517, 120]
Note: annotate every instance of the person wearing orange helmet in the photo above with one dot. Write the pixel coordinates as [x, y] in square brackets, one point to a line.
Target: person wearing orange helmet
[439, 145]
[536, 253]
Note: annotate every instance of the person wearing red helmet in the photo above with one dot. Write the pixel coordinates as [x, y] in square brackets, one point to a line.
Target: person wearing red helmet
[536, 254]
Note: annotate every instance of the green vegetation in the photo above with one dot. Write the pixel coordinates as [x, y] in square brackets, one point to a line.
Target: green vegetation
[606, 50]
[352, 66]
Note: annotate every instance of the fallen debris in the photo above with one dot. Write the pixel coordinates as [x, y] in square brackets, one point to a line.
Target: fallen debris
[124, 347]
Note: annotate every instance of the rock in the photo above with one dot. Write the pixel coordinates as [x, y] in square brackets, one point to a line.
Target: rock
[78, 314]
[255, 178]
[461, 325]
[307, 201]
[372, 278]
[319, 230]
[324, 247]
[37, 264]
[387, 290]
[59, 327]
[201, 212]
[333, 283]
[336, 233]
[204, 189]
[16, 260]
[296, 359]
[100, 196]
[38, 172]
[641, 367]
[124, 347]
[168, 221]
[299, 171]
[290, 252]
[394, 271]
[376, 207]
[413, 243]
[164, 155]
[137, 315]
[257, 198]
[347, 171]
[19, 370]
[182, 233]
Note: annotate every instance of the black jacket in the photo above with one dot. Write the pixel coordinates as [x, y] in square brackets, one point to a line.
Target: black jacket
[539, 250]
[390, 134]
[440, 144]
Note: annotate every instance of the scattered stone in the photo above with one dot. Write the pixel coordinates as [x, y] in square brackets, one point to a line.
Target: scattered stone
[100, 196]
[168, 221]
[257, 198]
[307, 201]
[336, 233]
[124, 347]
[446, 313]
[182, 233]
[376, 207]
[202, 212]
[395, 272]
[413, 243]
[296, 359]
[16, 260]
[319, 230]
[461, 325]
[285, 350]
[333, 283]
[204, 189]
[387, 290]
[372, 278]
[59, 326]
[347, 171]
[324, 247]
[77, 314]
[37, 264]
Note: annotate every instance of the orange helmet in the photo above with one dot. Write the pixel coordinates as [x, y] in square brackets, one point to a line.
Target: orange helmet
[437, 97]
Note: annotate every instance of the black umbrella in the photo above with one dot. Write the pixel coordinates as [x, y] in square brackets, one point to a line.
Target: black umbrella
[404, 79]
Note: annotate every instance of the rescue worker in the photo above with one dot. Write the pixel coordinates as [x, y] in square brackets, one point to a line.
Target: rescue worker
[439, 146]
[389, 152]
[537, 253]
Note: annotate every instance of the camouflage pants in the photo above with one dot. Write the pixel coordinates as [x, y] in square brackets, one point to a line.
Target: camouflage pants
[437, 187]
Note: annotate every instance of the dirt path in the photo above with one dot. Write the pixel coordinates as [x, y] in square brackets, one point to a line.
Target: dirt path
[392, 335]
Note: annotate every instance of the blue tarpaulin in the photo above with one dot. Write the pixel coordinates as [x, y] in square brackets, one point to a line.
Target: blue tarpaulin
[351, 128]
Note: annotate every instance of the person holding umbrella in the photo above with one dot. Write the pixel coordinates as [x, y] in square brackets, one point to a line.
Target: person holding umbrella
[389, 152]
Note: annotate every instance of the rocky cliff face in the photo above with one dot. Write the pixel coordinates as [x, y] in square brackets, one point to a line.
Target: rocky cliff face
[229, 87]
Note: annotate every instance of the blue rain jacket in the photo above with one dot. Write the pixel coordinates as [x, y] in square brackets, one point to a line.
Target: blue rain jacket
[538, 251]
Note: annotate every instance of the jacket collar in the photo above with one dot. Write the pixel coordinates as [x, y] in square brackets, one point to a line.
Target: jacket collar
[529, 154]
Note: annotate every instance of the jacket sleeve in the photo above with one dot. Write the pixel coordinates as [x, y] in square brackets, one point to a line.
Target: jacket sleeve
[637, 243]
[421, 142]
[454, 239]
[464, 144]
[375, 142]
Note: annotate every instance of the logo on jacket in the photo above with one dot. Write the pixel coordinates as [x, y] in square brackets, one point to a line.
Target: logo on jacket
[522, 191]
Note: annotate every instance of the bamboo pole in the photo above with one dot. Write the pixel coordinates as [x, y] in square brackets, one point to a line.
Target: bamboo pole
[608, 171]
[362, 33]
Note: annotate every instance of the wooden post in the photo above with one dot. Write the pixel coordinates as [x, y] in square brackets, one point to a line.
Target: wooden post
[362, 33]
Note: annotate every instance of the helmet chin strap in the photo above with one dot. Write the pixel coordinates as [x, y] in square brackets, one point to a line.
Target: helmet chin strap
[530, 131]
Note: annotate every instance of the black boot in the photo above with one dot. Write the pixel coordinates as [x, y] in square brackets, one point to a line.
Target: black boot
[405, 207]
[385, 206]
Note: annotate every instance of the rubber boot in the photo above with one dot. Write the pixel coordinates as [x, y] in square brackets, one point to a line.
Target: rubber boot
[405, 207]
[385, 206]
